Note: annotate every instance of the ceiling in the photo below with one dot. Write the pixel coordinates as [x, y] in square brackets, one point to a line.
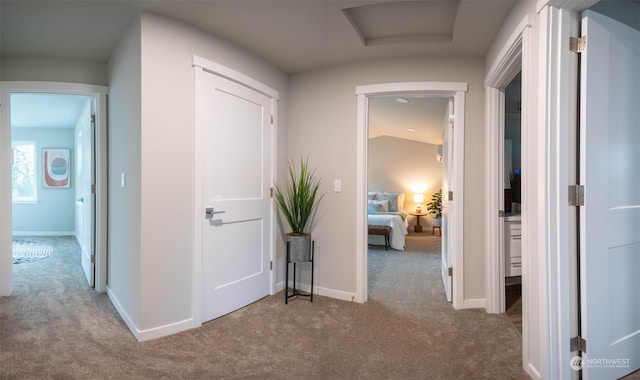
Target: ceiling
[420, 119]
[46, 110]
[293, 35]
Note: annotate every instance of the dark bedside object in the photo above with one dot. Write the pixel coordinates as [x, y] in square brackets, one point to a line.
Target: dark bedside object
[383, 231]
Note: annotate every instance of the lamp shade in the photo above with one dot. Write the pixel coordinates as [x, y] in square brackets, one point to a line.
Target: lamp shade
[418, 198]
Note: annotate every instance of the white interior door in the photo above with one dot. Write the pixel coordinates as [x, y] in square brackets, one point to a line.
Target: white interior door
[85, 197]
[447, 165]
[236, 182]
[610, 220]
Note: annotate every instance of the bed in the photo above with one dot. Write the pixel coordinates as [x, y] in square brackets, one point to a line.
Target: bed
[386, 209]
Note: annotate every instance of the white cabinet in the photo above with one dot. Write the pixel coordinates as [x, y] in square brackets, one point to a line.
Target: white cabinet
[512, 247]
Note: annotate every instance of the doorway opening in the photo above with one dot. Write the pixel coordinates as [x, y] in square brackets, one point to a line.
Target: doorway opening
[454, 238]
[404, 193]
[56, 136]
[512, 242]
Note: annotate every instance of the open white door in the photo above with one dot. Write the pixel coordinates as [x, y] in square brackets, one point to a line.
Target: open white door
[236, 181]
[610, 219]
[447, 165]
[85, 197]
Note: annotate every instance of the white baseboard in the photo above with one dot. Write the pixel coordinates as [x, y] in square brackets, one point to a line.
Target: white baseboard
[317, 290]
[148, 334]
[338, 294]
[44, 233]
[476, 303]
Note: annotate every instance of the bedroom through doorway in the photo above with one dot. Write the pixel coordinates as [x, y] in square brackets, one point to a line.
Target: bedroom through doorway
[404, 197]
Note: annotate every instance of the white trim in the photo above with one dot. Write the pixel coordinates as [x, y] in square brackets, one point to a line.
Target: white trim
[444, 89]
[6, 267]
[507, 64]
[201, 66]
[235, 76]
[148, 334]
[557, 131]
[100, 93]
[274, 156]
[516, 55]
[197, 300]
[476, 303]
[332, 293]
[362, 274]
[495, 295]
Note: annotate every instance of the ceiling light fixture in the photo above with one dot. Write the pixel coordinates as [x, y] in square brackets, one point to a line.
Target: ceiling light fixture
[412, 129]
[402, 100]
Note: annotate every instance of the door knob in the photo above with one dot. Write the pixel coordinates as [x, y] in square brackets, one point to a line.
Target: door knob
[209, 212]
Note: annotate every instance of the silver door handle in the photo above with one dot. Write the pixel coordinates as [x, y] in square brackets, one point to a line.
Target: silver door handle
[81, 199]
[209, 213]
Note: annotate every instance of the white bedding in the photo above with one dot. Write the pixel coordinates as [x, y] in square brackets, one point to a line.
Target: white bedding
[398, 223]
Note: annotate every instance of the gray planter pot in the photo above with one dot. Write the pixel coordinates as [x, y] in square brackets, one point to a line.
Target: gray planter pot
[437, 222]
[299, 247]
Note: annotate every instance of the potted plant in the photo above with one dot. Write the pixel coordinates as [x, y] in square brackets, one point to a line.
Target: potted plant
[298, 202]
[435, 208]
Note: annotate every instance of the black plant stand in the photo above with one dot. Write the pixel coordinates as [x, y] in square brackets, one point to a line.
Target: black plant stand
[295, 292]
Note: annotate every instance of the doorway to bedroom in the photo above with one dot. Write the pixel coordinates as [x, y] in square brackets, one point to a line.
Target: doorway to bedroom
[404, 197]
[452, 230]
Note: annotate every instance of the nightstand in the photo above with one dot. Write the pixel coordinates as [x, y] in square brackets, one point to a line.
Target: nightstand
[418, 226]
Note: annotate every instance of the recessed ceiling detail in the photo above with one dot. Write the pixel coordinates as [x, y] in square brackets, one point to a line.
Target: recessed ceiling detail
[404, 22]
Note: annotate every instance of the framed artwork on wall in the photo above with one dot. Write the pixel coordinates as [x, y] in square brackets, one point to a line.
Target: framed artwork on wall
[56, 168]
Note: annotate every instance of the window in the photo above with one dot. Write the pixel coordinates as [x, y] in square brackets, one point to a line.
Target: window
[23, 172]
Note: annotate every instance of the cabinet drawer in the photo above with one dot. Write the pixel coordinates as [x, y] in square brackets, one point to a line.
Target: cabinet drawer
[514, 270]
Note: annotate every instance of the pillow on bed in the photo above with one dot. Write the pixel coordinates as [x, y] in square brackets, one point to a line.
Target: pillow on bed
[377, 206]
[372, 195]
[396, 201]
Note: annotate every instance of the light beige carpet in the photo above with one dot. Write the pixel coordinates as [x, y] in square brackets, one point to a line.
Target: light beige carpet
[55, 327]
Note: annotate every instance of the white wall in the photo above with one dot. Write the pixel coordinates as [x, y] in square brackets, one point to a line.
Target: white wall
[398, 165]
[151, 139]
[323, 124]
[124, 279]
[53, 70]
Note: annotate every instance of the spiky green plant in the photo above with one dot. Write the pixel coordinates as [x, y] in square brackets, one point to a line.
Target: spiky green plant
[300, 199]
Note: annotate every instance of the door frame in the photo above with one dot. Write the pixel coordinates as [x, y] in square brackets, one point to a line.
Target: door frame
[508, 63]
[100, 93]
[455, 90]
[205, 65]
[513, 58]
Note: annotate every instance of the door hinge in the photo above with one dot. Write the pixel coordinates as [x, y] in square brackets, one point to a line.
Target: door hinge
[93, 189]
[501, 214]
[450, 271]
[93, 259]
[271, 119]
[451, 195]
[270, 265]
[271, 192]
[577, 44]
[93, 118]
[576, 195]
[578, 343]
